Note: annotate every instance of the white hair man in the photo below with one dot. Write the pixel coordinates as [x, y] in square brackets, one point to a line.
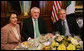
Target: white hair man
[34, 25]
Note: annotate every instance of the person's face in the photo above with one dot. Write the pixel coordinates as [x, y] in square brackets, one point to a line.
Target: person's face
[35, 13]
[13, 19]
[62, 15]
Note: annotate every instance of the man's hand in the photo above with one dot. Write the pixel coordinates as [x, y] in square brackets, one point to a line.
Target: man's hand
[29, 38]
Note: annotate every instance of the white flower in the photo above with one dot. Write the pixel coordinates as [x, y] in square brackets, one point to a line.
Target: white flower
[77, 37]
[59, 38]
[74, 42]
[47, 43]
[40, 47]
[57, 34]
[81, 44]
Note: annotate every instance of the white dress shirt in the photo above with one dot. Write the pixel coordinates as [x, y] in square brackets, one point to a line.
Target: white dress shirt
[34, 27]
[66, 27]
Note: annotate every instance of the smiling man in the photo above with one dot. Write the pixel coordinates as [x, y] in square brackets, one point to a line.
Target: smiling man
[66, 25]
[34, 25]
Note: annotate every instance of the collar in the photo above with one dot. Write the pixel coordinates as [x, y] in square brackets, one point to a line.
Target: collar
[34, 19]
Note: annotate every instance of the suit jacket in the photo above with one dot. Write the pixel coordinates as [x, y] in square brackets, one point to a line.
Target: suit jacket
[73, 26]
[28, 29]
[8, 38]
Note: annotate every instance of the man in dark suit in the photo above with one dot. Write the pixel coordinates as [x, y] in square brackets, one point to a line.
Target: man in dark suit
[33, 25]
[66, 25]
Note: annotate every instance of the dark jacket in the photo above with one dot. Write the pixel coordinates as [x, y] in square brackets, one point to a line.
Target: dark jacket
[73, 26]
[28, 29]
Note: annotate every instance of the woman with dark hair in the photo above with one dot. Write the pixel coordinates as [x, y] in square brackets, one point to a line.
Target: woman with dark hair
[10, 34]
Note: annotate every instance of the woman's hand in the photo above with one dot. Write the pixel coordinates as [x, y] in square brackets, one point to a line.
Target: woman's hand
[17, 44]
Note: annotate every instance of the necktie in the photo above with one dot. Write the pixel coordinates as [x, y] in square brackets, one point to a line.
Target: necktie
[63, 29]
[36, 28]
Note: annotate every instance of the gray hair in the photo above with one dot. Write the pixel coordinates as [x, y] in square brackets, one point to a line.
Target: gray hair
[61, 10]
[35, 8]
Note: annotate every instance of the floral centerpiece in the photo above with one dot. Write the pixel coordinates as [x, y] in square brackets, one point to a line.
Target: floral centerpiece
[52, 42]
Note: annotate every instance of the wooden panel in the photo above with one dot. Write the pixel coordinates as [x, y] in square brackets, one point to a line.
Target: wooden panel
[3, 8]
[34, 4]
[48, 22]
[46, 10]
[4, 21]
[45, 7]
[64, 4]
[15, 6]
[7, 6]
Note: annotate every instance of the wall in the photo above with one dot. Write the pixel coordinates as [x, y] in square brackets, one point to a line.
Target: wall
[46, 10]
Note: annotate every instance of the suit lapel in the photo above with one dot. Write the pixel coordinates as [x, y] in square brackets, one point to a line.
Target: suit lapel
[12, 32]
[39, 24]
[31, 24]
[18, 31]
[60, 25]
[60, 22]
[68, 22]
